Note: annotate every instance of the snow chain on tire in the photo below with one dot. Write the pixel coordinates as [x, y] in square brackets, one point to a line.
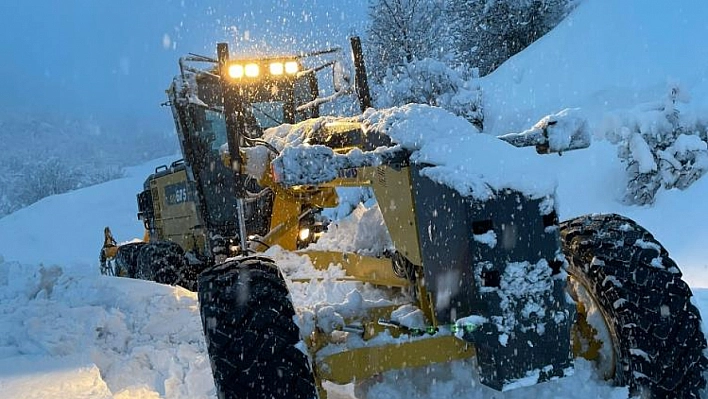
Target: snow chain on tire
[162, 262]
[656, 330]
[251, 336]
[126, 260]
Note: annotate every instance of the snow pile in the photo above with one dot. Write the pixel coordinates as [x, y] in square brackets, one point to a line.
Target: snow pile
[349, 199]
[315, 164]
[100, 337]
[363, 231]
[325, 300]
[458, 379]
[288, 136]
[302, 160]
[450, 149]
[556, 133]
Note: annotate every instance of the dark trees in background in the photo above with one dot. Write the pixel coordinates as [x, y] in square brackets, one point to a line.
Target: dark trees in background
[473, 33]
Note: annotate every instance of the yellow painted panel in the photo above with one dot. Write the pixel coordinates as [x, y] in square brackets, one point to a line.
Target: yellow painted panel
[367, 269]
[394, 193]
[363, 363]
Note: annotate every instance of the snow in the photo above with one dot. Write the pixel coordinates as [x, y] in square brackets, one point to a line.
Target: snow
[410, 316]
[451, 150]
[642, 153]
[68, 228]
[567, 130]
[605, 56]
[67, 332]
[106, 337]
[489, 238]
[524, 286]
[474, 164]
[363, 232]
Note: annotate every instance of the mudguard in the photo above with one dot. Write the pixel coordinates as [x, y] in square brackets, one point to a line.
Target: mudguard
[498, 258]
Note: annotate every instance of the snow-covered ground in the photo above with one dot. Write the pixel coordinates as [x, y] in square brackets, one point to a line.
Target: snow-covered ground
[67, 332]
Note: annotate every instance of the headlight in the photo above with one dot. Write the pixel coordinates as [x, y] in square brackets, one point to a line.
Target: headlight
[291, 67]
[276, 68]
[304, 234]
[252, 70]
[236, 71]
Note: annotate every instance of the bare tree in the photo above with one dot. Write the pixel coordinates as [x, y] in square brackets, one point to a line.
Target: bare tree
[488, 32]
[402, 31]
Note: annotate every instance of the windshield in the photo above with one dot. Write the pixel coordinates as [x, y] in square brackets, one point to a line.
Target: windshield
[215, 127]
[262, 116]
[268, 114]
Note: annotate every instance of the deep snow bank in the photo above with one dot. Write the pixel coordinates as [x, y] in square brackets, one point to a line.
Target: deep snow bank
[67, 335]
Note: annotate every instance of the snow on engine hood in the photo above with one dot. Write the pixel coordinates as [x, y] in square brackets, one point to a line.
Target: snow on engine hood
[453, 151]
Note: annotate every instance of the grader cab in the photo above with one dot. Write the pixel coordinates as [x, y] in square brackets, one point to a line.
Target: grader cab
[192, 208]
[487, 267]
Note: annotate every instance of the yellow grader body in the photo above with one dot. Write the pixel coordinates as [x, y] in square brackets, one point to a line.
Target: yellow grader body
[524, 307]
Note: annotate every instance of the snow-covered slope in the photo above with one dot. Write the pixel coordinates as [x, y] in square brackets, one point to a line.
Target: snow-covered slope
[67, 332]
[606, 55]
[68, 228]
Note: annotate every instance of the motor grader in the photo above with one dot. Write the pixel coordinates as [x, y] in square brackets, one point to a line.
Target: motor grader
[496, 277]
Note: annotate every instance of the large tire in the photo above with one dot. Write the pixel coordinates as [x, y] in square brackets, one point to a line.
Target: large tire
[126, 259]
[251, 336]
[655, 329]
[162, 262]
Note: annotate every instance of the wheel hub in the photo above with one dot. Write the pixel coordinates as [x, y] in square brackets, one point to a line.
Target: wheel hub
[592, 338]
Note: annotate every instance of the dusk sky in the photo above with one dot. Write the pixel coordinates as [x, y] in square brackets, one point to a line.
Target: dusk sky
[113, 59]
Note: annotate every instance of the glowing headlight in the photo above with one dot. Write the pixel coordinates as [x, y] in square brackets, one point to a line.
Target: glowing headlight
[252, 70]
[276, 68]
[291, 67]
[304, 234]
[235, 71]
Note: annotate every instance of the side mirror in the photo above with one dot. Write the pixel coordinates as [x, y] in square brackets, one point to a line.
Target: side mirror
[564, 131]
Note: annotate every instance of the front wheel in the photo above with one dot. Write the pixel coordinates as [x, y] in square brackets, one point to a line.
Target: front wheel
[251, 336]
[644, 307]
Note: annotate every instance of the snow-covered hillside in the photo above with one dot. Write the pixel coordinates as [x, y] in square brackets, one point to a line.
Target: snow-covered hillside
[67, 332]
[605, 56]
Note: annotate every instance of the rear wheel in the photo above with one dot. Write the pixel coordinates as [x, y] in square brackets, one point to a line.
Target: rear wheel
[620, 271]
[251, 336]
[162, 262]
[126, 259]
